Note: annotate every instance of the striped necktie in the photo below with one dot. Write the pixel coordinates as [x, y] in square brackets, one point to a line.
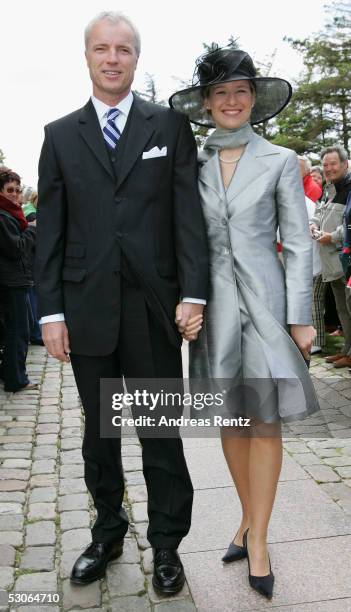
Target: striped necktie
[111, 131]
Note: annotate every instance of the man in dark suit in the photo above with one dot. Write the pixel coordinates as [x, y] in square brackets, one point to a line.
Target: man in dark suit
[121, 241]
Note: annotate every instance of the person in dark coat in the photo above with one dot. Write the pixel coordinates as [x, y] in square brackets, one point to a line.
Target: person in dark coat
[17, 240]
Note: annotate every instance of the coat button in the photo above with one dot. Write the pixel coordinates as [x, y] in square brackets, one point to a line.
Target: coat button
[226, 251]
[118, 199]
[224, 221]
[119, 234]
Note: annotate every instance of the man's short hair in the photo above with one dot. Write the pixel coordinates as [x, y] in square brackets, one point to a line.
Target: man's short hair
[342, 153]
[113, 17]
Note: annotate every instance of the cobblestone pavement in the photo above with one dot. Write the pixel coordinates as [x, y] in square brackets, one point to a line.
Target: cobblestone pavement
[322, 444]
[45, 511]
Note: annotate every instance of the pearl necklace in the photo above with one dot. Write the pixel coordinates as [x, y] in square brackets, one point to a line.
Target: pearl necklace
[229, 161]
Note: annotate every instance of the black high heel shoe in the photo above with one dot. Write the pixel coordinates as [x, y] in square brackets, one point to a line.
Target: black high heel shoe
[261, 584]
[234, 553]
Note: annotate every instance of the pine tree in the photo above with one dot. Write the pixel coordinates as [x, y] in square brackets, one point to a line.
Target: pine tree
[150, 92]
[320, 111]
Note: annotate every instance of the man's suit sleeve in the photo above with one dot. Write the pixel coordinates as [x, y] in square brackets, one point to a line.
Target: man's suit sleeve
[51, 221]
[190, 232]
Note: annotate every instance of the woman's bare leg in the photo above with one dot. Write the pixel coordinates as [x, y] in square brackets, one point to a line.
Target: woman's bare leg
[237, 452]
[255, 465]
[264, 468]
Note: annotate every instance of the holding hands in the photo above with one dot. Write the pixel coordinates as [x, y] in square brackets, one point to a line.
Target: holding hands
[189, 318]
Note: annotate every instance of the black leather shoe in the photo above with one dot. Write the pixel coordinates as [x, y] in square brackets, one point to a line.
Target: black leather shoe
[91, 565]
[168, 577]
[234, 553]
[261, 584]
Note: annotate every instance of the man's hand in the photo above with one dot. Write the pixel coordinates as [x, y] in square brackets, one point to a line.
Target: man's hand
[189, 319]
[55, 337]
[325, 238]
[313, 228]
[303, 336]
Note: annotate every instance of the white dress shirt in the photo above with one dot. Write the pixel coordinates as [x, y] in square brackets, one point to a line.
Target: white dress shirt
[123, 106]
[102, 109]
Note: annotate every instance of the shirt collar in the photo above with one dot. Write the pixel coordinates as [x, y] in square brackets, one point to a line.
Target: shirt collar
[124, 106]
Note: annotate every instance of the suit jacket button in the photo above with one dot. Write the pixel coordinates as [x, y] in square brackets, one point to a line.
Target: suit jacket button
[113, 159]
[119, 234]
[118, 199]
[224, 221]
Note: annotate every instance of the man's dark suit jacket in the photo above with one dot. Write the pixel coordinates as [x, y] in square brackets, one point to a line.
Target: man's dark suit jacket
[89, 216]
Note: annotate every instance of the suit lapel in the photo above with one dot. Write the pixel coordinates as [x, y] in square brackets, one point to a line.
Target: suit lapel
[248, 170]
[139, 133]
[90, 131]
[253, 164]
[210, 173]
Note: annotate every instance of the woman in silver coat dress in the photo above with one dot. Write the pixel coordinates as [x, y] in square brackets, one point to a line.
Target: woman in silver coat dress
[257, 322]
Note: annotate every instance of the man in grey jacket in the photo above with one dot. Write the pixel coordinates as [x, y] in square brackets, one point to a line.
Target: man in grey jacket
[328, 222]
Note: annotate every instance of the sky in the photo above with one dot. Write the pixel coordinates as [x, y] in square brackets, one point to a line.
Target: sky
[43, 69]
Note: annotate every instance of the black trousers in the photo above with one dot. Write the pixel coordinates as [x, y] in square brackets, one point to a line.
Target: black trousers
[16, 307]
[35, 330]
[143, 351]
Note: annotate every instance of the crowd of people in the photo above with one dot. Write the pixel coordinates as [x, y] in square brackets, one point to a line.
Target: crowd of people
[19, 325]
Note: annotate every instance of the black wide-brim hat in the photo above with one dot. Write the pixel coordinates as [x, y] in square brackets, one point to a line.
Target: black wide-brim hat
[223, 65]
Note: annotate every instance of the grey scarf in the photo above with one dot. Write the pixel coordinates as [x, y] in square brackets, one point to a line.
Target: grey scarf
[229, 139]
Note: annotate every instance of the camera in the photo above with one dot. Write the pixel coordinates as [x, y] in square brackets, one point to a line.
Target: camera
[316, 234]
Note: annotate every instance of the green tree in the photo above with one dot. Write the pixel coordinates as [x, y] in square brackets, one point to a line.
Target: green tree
[320, 111]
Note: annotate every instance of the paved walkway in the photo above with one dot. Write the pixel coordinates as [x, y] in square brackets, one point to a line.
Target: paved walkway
[45, 511]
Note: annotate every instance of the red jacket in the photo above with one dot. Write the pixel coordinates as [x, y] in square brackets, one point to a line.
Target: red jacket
[311, 188]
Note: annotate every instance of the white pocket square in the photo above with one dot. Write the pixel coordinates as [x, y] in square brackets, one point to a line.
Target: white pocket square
[155, 152]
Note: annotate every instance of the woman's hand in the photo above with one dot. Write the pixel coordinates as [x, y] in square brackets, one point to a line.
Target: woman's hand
[189, 329]
[303, 336]
[193, 327]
